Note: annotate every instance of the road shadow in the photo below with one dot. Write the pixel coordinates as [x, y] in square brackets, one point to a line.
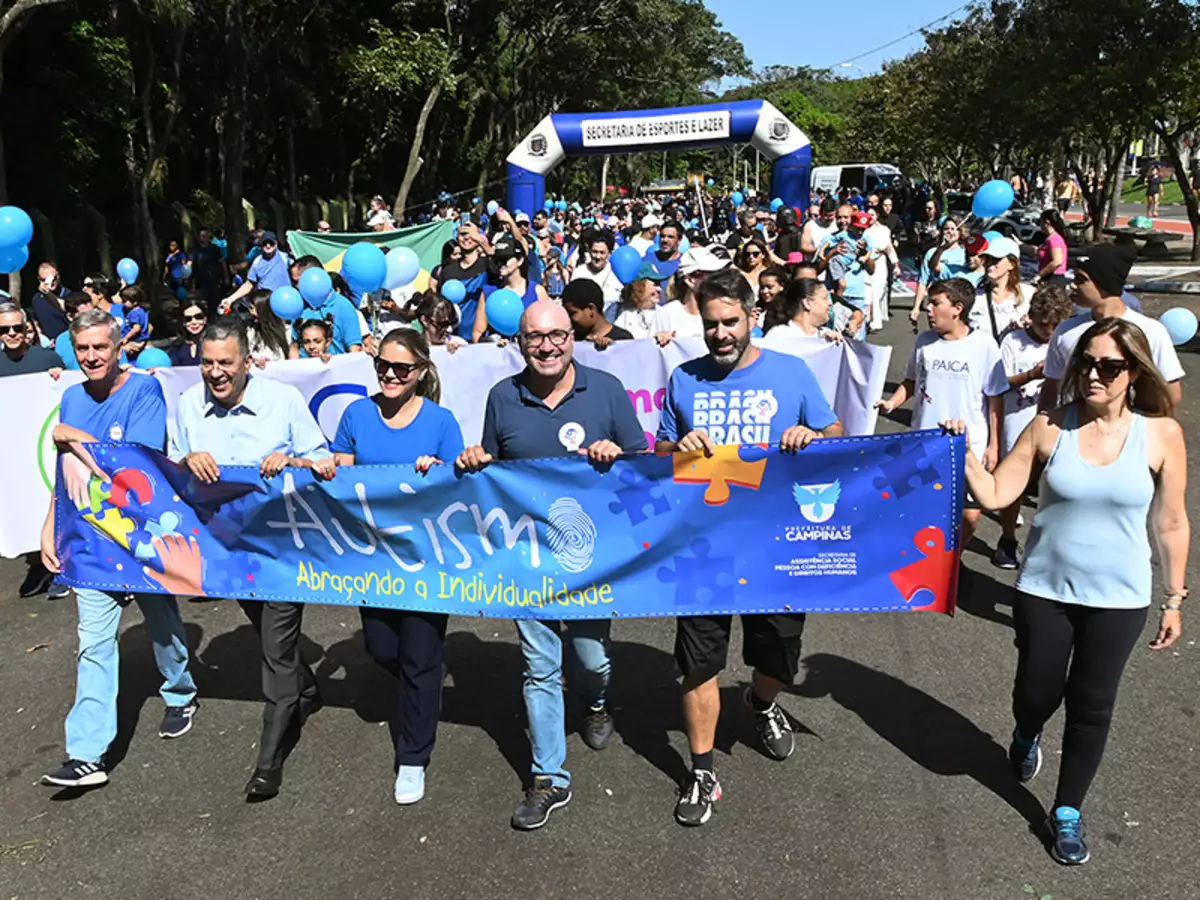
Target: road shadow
[934, 736]
[984, 597]
[901, 416]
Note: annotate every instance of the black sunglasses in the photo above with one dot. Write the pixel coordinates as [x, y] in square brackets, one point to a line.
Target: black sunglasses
[12, 329]
[198, 317]
[1106, 369]
[398, 369]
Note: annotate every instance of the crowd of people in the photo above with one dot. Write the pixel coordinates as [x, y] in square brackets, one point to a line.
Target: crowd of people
[1055, 373]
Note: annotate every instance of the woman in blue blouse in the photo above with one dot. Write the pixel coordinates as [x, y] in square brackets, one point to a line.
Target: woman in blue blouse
[404, 424]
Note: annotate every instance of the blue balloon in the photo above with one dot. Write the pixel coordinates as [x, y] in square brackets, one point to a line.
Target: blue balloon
[626, 262]
[315, 286]
[711, 182]
[364, 267]
[127, 270]
[474, 201]
[548, 206]
[153, 358]
[738, 198]
[561, 206]
[454, 291]
[287, 303]
[992, 199]
[16, 228]
[776, 205]
[13, 259]
[990, 236]
[1180, 324]
[504, 309]
[492, 207]
[403, 267]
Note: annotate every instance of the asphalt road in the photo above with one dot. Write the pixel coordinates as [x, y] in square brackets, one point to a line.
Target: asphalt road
[898, 787]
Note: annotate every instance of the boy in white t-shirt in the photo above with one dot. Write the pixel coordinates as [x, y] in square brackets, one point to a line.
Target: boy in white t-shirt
[1100, 274]
[1023, 352]
[955, 372]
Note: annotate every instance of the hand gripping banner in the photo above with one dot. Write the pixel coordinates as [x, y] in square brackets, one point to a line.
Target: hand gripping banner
[864, 524]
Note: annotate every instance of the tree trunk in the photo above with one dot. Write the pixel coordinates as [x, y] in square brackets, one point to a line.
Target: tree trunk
[414, 153]
[234, 131]
[1171, 143]
[1116, 184]
[14, 278]
[293, 183]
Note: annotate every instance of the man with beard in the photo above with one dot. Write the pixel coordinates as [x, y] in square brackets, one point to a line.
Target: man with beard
[781, 403]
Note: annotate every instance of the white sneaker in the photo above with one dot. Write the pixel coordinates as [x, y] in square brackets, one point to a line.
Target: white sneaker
[410, 784]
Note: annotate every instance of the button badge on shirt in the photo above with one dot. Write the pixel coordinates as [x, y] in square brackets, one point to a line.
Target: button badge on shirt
[116, 432]
[571, 436]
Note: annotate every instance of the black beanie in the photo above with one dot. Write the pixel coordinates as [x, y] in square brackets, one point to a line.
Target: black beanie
[1108, 266]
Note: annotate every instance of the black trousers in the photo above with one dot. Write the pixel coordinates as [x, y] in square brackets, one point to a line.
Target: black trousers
[1077, 654]
[286, 678]
[410, 645]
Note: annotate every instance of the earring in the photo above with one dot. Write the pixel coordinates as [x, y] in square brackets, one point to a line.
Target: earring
[1130, 394]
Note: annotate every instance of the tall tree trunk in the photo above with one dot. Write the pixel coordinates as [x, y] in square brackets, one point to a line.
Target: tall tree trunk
[414, 152]
[14, 278]
[293, 183]
[234, 132]
[1171, 141]
[1117, 184]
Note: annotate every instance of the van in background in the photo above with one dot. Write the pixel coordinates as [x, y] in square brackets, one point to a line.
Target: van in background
[866, 177]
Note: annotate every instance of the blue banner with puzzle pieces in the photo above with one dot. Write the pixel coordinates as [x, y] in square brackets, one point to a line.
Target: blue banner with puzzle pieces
[863, 524]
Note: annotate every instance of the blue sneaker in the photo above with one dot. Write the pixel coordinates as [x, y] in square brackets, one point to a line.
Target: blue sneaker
[1025, 757]
[1065, 832]
[177, 720]
[410, 785]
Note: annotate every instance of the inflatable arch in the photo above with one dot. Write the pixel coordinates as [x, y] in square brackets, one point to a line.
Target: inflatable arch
[754, 122]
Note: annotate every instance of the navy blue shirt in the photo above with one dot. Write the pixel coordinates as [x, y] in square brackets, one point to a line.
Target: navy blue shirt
[49, 314]
[519, 425]
[371, 441]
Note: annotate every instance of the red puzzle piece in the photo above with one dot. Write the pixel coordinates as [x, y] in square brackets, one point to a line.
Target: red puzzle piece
[130, 481]
[937, 572]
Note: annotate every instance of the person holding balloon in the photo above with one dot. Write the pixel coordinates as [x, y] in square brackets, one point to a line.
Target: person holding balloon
[268, 271]
[471, 269]
[322, 302]
[945, 261]
[509, 270]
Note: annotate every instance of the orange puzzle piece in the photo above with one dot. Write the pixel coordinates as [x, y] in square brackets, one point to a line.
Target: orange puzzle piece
[724, 468]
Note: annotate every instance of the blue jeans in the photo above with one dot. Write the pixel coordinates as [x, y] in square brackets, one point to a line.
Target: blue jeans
[92, 721]
[542, 647]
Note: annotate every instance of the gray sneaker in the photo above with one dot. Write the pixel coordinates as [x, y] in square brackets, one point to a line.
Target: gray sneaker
[697, 796]
[540, 800]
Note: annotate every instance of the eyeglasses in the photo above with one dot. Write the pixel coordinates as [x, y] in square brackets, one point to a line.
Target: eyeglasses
[1106, 369]
[198, 317]
[557, 337]
[12, 329]
[441, 324]
[398, 369]
[754, 255]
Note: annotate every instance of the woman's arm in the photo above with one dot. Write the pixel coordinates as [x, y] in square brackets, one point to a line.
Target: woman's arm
[1003, 487]
[1056, 260]
[1172, 531]
[344, 459]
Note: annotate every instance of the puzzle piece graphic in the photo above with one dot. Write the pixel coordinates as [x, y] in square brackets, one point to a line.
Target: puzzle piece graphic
[937, 573]
[697, 577]
[905, 467]
[97, 493]
[168, 523]
[113, 524]
[742, 466]
[638, 496]
[130, 481]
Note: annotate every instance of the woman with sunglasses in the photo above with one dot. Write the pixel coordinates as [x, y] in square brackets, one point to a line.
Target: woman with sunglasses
[186, 350]
[752, 260]
[1111, 454]
[509, 268]
[802, 311]
[403, 424]
[948, 259]
[438, 321]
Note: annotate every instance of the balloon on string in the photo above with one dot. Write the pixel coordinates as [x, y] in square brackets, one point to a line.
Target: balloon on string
[561, 206]
[364, 267]
[454, 291]
[993, 199]
[776, 205]
[626, 262]
[315, 285]
[738, 198]
[990, 236]
[504, 310]
[16, 228]
[287, 303]
[492, 207]
[127, 270]
[153, 358]
[1180, 323]
[13, 259]
[403, 267]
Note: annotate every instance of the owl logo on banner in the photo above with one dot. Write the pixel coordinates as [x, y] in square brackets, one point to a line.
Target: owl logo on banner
[817, 502]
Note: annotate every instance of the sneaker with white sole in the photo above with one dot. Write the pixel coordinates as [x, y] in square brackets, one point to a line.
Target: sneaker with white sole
[410, 785]
[1064, 832]
[77, 774]
[774, 729]
[177, 720]
[697, 796]
[1025, 757]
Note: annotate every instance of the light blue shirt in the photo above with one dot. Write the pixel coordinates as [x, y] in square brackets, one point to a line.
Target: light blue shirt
[272, 418]
[953, 264]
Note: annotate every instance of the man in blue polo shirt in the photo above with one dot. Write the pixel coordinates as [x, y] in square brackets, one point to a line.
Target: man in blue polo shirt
[268, 271]
[556, 407]
[777, 400]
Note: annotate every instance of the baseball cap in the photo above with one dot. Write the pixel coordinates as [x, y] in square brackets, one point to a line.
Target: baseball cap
[1000, 247]
[860, 220]
[976, 245]
[654, 270]
[651, 221]
[521, 217]
[268, 237]
[701, 259]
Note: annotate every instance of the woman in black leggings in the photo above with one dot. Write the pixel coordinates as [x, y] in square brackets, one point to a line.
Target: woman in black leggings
[1084, 588]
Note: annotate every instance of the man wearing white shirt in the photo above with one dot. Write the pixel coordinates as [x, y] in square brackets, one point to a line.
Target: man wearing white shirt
[599, 245]
[1099, 281]
[644, 241]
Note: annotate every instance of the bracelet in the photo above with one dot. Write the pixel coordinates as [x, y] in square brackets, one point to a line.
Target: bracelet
[1172, 606]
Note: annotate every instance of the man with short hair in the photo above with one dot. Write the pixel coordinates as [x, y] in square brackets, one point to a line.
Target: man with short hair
[324, 227]
[47, 302]
[780, 402]
[643, 241]
[598, 244]
[268, 271]
[666, 257]
[74, 303]
[209, 269]
[584, 302]
[746, 229]
[556, 407]
[233, 418]
[111, 405]
[18, 357]
[817, 230]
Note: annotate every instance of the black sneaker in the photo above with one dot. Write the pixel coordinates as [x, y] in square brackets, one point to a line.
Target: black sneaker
[1007, 555]
[774, 730]
[598, 727]
[58, 591]
[1064, 832]
[540, 800]
[77, 774]
[1025, 757]
[697, 795]
[177, 720]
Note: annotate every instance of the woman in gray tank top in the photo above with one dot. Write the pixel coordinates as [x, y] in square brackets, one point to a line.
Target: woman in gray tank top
[1111, 455]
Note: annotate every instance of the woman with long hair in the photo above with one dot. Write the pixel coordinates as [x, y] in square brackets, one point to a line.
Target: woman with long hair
[1112, 454]
[1001, 301]
[508, 268]
[1052, 254]
[186, 350]
[753, 259]
[803, 310]
[267, 334]
[438, 321]
[403, 424]
[639, 312]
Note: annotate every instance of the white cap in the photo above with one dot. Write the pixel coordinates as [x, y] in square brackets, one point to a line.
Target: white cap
[651, 221]
[701, 259]
[1000, 247]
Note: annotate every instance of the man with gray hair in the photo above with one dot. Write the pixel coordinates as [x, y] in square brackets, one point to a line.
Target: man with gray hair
[233, 418]
[111, 405]
[19, 358]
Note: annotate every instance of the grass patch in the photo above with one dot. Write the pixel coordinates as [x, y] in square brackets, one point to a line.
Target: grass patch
[1172, 193]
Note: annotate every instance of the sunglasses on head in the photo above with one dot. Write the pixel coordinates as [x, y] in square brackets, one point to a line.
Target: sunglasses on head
[398, 369]
[12, 329]
[1106, 369]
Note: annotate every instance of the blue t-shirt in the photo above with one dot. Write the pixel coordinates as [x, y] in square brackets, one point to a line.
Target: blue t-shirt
[953, 264]
[754, 405]
[136, 413]
[346, 329]
[362, 432]
[175, 264]
[136, 316]
[855, 275]
[66, 350]
[268, 274]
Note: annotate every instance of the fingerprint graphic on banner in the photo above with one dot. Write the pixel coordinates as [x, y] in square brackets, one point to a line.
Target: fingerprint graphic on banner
[572, 535]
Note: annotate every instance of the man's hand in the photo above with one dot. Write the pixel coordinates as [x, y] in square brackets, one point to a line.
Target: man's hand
[274, 464]
[695, 441]
[602, 453]
[473, 459]
[55, 373]
[796, 438]
[602, 343]
[203, 466]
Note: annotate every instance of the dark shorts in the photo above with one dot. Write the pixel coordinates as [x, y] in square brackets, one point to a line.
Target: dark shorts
[770, 644]
[1064, 203]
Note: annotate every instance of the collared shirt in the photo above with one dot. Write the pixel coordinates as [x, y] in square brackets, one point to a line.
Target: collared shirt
[268, 274]
[519, 425]
[272, 418]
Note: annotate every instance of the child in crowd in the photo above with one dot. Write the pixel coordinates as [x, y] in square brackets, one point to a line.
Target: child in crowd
[316, 339]
[849, 259]
[1023, 352]
[135, 331]
[956, 372]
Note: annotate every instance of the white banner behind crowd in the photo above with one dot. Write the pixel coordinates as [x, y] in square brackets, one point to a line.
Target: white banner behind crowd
[851, 375]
